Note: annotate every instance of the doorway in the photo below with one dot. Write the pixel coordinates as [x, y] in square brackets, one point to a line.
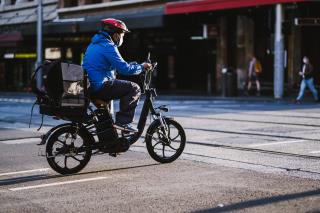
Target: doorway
[196, 65]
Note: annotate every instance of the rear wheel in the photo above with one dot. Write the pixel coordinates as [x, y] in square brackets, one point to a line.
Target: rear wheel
[63, 150]
[163, 145]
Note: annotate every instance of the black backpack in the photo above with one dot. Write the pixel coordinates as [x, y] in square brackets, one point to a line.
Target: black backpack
[52, 89]
[64, 91]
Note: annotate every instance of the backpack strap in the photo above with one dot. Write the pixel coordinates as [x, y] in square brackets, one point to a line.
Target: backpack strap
[33, 77]
[34, 87]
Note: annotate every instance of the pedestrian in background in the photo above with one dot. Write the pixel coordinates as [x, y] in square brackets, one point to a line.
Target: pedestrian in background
[307, 75]
[254, 70]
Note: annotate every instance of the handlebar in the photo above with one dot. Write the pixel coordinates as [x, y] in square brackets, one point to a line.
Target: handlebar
[148, 73]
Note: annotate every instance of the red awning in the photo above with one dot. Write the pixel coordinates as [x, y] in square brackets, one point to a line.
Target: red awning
[211, 5]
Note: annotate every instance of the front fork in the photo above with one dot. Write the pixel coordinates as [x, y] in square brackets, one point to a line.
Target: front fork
[163, 127]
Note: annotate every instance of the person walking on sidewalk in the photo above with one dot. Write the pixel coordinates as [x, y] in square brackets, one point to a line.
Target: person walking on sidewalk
[307, 75]
[255, 69]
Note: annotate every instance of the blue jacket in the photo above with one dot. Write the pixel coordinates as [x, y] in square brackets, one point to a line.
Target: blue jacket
[102, 59]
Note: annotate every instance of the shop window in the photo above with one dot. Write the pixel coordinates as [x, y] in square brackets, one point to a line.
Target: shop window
[69, 53]
[53, 53]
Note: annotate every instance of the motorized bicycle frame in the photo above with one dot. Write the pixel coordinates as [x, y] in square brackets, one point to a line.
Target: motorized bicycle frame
[150, 94]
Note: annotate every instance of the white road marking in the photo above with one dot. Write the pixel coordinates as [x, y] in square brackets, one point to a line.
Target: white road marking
[21, 141]
[314, 152]
[56, 184]
[25, 171]
[276, 143]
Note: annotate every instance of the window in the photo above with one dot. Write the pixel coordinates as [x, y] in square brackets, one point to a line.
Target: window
[53, 53]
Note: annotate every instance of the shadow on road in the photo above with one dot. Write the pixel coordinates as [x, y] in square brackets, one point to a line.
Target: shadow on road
[31, 178]
[263, 201]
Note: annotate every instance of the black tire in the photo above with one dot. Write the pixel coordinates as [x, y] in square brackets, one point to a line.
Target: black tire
[175, 144]
[58, 147]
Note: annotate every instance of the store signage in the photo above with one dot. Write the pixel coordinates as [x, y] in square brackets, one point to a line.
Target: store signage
[19, 55]
[25, 55]
[8, 56]
[307, 21]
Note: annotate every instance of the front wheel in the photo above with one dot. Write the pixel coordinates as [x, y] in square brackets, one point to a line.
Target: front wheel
[165, 144]
[63, 150]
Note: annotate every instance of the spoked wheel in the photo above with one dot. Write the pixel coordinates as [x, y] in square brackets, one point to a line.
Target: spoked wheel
[166, 146]
[63, 150]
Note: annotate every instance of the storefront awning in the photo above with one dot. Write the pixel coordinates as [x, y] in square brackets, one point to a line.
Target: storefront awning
[148, 18]
[137, 19]
[212, 5]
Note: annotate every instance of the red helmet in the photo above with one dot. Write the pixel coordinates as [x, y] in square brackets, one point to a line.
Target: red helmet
[115, 25]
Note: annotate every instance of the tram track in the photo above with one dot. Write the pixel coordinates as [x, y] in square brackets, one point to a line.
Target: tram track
[253, 134]
[247, 149]
[251, 121]
[254, 164]
[217, 157]
[286, 116]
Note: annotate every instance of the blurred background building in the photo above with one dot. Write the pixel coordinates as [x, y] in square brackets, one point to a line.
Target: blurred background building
[192, 40]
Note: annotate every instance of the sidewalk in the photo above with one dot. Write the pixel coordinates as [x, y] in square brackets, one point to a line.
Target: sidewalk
[165, 96]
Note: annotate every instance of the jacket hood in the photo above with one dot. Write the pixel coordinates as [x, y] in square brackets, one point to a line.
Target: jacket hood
[100, 37]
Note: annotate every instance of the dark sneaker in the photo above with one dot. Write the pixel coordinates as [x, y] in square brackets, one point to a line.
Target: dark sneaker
[130, 128]
[126, 127]
[258, 93]
[297, 101]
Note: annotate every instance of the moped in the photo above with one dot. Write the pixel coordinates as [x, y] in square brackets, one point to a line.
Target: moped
[69, 146]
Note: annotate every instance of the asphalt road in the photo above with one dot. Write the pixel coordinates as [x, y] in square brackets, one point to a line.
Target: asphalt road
[241, 155]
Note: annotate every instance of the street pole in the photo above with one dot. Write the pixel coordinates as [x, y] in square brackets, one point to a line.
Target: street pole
[278, 54]
[205, 38]
[39, 43]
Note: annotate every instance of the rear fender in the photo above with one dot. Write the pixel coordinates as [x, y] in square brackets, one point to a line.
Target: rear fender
[45, 137]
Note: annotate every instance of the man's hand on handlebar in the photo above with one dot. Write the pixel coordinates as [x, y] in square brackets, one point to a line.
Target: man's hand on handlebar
[147, 66]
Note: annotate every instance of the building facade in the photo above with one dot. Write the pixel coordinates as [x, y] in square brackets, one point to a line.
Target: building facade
[193, 41]
[18, 41]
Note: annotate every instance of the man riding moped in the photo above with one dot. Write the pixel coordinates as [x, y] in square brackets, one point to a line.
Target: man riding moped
[102, 60]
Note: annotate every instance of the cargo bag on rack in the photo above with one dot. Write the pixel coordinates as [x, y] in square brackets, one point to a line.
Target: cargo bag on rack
[64, 90]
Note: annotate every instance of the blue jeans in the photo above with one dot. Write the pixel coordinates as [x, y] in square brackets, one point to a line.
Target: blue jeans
[307, 83]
